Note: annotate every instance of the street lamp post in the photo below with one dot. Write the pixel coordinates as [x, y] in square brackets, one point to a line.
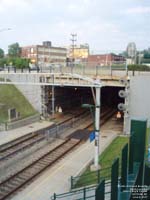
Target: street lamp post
[96, 121]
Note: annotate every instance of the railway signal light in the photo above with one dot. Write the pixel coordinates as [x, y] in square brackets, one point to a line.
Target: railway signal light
[121, 107]
[123, 94]
[125, 106]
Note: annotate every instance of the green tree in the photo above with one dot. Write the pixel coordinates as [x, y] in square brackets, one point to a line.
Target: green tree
[17, 62]
[1, 53]
[2, 62]
[14, 50]
[20, 62]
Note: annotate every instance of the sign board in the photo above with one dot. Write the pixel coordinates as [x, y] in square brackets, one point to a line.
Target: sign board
[92, 136]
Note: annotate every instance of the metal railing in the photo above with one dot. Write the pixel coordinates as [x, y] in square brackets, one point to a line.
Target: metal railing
[91, 178]
[80, 194]
[57, 131]
[85, 193]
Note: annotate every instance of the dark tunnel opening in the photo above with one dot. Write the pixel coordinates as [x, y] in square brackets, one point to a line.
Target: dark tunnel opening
[69, 98]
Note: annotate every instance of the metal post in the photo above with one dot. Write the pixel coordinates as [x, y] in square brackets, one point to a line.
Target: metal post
[71, 182]
[114, 179]
[53, 100]
[97, 124]
[126, 68]
[84, 193]
[54, 196]
[100, 191]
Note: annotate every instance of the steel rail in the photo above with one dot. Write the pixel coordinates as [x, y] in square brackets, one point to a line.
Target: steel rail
[27, 174]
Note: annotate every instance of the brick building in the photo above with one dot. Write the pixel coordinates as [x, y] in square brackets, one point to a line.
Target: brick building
[104, 59]
[44, 54]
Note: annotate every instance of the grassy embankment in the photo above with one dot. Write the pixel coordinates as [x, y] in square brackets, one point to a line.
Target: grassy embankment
[11, 97]
[106, 159]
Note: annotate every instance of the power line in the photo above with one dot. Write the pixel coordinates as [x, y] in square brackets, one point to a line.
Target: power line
[73, 40]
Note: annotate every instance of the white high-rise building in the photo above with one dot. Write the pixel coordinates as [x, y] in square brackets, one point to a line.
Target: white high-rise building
[131, 50]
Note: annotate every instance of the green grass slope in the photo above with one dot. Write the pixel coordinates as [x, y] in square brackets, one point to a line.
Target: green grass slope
[11, 97]
[105, 159]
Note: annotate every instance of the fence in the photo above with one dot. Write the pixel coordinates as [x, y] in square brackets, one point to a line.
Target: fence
[59, 129]
[89, 192]
[90, 178]
[131, 183]
[83, 69]
[80, 194]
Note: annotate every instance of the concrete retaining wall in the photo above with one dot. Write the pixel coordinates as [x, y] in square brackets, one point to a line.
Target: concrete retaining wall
[31, 92]
[23, 122]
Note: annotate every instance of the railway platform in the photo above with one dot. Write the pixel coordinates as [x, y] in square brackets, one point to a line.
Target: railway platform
[6, 136]
[57, 178]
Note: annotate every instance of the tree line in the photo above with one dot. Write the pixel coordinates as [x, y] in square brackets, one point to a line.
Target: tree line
[13, 57]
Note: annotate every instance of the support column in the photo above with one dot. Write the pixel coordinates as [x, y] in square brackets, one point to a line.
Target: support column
[44, 100]
[53, 100]
[96, 166]
[97, 128]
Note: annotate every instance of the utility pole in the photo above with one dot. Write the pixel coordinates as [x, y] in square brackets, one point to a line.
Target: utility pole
[73, 40]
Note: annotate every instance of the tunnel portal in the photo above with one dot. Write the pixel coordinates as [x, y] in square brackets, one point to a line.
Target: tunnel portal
[70, 98]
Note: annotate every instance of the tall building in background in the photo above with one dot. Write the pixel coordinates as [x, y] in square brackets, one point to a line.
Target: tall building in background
[131, 53]
[131, 50]
[44, 54]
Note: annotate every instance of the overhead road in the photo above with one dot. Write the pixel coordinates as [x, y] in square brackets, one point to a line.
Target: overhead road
[52, 79]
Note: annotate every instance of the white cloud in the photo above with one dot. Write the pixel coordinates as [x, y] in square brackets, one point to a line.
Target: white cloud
[138, 10]
[99, 23]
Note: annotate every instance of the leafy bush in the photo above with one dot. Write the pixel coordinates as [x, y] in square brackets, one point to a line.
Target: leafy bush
[137, 67]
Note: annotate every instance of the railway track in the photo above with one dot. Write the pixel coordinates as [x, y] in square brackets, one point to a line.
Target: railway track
[105, 116]
[13, 183]
[27, 174]
[20, 144]
[8, 150]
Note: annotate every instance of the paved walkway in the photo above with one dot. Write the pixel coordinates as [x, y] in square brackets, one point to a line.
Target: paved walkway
[6, 136]
[57, 178]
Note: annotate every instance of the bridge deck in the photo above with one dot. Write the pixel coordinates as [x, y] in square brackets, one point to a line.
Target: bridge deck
[58, 79]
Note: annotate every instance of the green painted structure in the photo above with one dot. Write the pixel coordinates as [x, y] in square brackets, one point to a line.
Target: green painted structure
[134, 180]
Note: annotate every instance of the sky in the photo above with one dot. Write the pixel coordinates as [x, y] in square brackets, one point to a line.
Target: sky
[106, 25]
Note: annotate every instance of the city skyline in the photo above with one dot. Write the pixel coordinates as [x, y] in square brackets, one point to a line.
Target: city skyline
[105, 26]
